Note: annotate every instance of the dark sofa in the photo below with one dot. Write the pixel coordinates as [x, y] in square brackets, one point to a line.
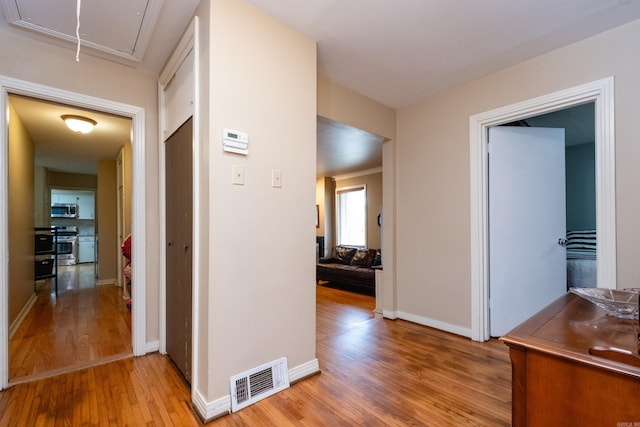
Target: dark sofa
[350, 269]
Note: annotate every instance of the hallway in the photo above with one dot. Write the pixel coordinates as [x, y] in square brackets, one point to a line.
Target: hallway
[83, 325]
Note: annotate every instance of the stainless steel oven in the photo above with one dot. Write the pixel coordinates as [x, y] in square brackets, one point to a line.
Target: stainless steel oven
[67, 245]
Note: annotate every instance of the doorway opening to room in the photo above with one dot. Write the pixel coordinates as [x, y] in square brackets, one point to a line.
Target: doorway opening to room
[600, 93]
[69, 343]
[78, 317]
[348, 187]
[542, 212]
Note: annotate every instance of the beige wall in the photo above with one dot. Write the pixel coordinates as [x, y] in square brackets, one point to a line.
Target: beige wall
[260, 282]
[320, 190]
[346, 106]
[22, 57]
[42, 210]
[21, 217]
[325, 199]
[106, 202]
[127, 187]
[63, 180]
[373, 183]
[433, 212]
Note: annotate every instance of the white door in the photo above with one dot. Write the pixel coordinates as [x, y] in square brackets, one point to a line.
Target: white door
[527, 265]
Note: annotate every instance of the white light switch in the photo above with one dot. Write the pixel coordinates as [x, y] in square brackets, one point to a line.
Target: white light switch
[238, 175]
[276, 178]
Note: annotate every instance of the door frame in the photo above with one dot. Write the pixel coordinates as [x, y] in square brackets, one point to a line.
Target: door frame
[602, 93]
[10, 85]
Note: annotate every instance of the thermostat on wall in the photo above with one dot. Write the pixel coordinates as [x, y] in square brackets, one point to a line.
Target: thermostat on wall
[235, 142]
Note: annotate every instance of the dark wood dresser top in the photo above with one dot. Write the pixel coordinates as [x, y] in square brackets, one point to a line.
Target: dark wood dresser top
[576, 329]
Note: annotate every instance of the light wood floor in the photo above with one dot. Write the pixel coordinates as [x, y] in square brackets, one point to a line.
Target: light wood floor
[83, 324]
[374, 372]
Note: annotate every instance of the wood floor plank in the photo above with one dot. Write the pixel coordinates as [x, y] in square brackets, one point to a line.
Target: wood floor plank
[374, 371]
[381, 372]
[82, 324]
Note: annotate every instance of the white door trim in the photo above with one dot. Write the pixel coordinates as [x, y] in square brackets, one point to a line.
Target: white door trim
[138, 321]
[602, 93]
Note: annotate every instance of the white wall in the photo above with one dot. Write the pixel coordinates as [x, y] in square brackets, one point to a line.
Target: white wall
[433, 239]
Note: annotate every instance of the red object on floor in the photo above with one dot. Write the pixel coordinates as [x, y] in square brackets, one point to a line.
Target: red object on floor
[129, 304]
[126, 247]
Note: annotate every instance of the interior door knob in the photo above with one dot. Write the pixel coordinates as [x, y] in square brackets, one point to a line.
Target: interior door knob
[562, 242]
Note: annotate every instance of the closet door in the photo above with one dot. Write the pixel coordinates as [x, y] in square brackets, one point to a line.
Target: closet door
[179, 203]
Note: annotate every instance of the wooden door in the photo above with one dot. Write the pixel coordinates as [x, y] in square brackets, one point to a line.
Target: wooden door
[179, 167]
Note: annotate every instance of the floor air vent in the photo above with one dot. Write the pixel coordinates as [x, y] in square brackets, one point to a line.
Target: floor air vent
[258, 383]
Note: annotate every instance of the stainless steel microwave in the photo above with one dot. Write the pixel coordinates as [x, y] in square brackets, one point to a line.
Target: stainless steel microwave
[60, 210]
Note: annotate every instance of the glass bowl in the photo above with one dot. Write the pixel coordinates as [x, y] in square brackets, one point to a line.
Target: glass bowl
[622, 304]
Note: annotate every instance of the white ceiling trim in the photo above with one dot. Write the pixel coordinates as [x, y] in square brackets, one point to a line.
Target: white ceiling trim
[143, 36]
[357, 174]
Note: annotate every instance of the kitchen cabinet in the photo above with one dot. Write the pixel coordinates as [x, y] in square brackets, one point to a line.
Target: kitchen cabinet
[67, 199]
[86, 206]
[84, 200]
[86, 249]
[63, 199]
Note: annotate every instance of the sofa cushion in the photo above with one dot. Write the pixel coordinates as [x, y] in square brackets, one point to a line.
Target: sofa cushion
[344, 254]
[377, 259]
[363, 257]
[346, 273]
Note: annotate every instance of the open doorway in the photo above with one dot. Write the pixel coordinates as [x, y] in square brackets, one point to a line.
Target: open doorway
[12, 87]
[601, 94]
[76, 315]
[542, 212]
[580, 171]
[349, 163]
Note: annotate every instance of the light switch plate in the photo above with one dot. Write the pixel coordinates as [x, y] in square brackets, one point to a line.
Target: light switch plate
[276, 178]
[238, 175]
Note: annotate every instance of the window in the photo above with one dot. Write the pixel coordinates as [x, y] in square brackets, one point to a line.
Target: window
[351, 216]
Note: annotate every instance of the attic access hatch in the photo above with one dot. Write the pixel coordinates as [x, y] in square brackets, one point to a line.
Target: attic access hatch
[116, 29]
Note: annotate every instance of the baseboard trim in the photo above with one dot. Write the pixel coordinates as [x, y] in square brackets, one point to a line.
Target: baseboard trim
[152, 346]
[389, 314]
[23, 313]
[107, 282]
[443, 326]
[209, 411]
[303, 371]
[217, 408]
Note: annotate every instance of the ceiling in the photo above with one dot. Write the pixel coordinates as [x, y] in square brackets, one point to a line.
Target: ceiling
[60, 149]
[396, 53]
[399, 52]
[344, 149]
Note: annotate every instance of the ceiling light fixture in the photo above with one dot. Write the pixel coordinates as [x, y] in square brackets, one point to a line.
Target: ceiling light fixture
[79, 124]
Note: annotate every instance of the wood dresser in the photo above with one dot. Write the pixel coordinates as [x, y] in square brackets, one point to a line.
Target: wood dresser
[557, 378]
